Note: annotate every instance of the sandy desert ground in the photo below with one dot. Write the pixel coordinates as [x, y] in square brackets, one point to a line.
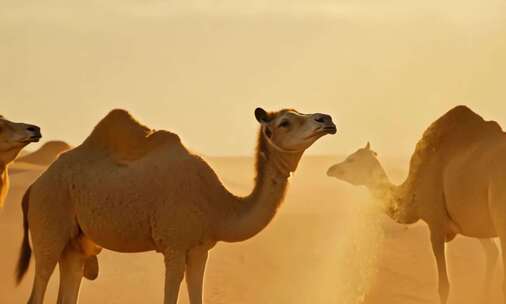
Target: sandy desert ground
[328, 244]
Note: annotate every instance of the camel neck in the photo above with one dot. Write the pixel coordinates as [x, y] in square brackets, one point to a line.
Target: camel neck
[249, 215]
[396, 202]
[7, 156]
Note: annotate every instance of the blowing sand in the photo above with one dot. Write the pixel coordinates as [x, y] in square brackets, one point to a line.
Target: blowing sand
[328, 244]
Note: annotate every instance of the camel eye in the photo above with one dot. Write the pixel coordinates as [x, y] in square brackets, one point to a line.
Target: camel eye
[284, 124]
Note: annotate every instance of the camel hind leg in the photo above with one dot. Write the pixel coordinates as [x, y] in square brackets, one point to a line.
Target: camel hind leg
[71, 264]
[491, 255]
[438, 248]
[46, 253]
[43, 270]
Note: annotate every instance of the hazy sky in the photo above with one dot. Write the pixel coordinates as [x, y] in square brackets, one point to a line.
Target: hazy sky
[383, 69]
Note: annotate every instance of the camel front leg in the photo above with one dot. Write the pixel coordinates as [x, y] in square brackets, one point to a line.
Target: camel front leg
[438, 248]
[195, 267]
[491, 255]
[174, 272]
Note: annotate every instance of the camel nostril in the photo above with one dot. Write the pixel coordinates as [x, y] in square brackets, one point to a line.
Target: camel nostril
[323, 118]
[33, 129]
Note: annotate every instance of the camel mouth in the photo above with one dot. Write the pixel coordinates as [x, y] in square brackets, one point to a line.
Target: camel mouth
[331, 172]
[35, 138]
[328, 129]
[331, 129]
[336, 171]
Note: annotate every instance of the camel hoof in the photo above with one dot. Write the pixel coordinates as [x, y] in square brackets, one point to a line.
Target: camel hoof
[91, 268]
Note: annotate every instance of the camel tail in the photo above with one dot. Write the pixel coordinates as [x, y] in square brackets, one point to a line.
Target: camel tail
[25, 252]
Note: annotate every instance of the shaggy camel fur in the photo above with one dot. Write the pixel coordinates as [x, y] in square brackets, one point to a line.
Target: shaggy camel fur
[130, 189]
[13, 137]
[456, 184]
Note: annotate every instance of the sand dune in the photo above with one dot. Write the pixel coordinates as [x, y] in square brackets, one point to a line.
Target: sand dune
[333, 247]
[46, 154]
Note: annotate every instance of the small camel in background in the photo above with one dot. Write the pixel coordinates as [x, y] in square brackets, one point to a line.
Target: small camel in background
[13, 137]
[130, 189]
[456, 184]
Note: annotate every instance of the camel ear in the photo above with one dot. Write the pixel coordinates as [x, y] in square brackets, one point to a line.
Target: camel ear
[262, 116]
[368, 146]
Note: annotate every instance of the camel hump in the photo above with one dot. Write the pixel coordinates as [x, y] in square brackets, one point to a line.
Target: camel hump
[123, 138]
[460, 125]
[453, 132]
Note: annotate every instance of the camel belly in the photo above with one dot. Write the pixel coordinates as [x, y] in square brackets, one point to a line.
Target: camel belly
[115, 223]
[466, 196]
[116, 234]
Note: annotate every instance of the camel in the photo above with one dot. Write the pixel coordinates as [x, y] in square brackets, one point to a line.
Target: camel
[127, 188]
[456, 184]
[13, 138]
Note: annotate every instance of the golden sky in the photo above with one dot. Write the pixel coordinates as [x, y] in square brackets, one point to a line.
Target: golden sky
[383, 69]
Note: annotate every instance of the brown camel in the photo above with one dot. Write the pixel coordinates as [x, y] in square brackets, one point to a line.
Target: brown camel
[130, 189]
[456, 184]
[13, 137]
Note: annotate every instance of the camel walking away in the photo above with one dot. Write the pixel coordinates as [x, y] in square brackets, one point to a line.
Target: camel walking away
[13, 137]
[130, 189]
[456, 184]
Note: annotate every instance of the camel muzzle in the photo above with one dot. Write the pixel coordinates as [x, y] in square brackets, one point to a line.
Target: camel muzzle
[36, 134]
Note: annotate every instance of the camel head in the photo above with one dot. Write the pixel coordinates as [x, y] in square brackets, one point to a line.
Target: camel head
[14, 136]
[361, 168]
[291, 131]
